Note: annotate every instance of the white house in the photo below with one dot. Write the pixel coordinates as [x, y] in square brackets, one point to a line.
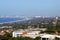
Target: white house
[24, 33]
[57, 38]
[47, 37]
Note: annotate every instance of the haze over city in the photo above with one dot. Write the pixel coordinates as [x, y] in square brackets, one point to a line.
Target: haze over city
[30, 7]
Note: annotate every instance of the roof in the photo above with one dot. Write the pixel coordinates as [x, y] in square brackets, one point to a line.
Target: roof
[58, 36]
[47, 36]
[29, 31]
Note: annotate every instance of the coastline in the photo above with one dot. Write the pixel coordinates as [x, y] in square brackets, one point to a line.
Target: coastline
[16, 21]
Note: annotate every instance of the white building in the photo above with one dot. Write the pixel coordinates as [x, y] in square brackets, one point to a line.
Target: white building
[27, 33]
[57, 38]
[47, 37]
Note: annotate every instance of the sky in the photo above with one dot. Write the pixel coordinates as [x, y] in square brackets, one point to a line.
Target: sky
[30, 7]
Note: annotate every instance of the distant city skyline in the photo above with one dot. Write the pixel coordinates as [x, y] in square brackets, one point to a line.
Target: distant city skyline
[30, 7]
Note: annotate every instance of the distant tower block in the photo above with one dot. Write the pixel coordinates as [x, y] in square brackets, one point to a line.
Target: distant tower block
[56, 17]
[56, 21]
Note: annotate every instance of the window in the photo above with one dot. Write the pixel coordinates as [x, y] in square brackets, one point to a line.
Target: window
[19, 35]
[44, 38]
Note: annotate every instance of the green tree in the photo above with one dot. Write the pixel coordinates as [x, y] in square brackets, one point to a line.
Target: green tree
[37, 38]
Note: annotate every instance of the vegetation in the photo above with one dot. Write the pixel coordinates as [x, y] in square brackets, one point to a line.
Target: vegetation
[8, 36]
[51, 28]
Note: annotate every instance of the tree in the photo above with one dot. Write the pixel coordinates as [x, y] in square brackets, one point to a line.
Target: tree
[37, 38]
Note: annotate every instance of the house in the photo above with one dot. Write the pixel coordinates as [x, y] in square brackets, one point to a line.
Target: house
[47, 37]
[8, 29]
[57, 38]
[25, 33]
[2, 32]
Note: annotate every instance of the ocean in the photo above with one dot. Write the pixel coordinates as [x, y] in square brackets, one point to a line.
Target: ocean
[8, 20]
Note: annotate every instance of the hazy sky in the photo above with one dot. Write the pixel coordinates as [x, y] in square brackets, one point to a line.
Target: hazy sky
[30, 7]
